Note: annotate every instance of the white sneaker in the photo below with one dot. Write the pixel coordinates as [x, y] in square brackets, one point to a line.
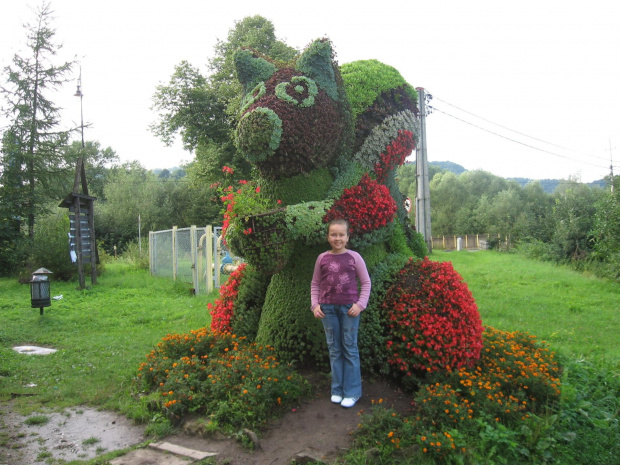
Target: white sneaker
[348, 402]
[336, 399]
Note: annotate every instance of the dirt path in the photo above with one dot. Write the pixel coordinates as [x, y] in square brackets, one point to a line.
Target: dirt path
[316, 428]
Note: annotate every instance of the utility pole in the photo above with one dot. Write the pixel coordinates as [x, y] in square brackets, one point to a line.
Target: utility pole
[423, 196]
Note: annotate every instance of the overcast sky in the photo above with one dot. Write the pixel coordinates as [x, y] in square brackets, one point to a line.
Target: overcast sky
[520, 89]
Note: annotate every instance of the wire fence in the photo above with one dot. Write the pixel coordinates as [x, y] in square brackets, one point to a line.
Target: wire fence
[193, 255]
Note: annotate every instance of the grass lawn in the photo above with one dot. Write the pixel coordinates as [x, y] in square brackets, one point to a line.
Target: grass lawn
[102, 335]
[579, 316]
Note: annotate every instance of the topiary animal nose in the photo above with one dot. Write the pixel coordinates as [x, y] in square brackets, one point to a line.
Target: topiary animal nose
[258, 134]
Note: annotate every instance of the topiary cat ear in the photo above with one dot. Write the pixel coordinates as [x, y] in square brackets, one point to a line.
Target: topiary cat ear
[316, 63]
[251, 70]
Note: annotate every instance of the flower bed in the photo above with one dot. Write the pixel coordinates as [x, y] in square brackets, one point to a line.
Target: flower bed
[433, 319]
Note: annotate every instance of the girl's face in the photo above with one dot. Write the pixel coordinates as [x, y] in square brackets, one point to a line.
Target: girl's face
[338, 236]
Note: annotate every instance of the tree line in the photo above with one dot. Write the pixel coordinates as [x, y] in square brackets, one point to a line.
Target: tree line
[577, 224]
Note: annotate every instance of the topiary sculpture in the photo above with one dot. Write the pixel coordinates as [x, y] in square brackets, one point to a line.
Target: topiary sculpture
[325, 142]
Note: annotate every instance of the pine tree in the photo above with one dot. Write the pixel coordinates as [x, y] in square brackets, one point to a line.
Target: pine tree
[31, 154]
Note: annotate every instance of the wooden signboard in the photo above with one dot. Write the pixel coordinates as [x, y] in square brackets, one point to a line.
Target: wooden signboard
[82, 226]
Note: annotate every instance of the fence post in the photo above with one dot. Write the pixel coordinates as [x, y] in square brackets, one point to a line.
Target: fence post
[192, 253]
[151, 254]
[175, 264]
[210, 269]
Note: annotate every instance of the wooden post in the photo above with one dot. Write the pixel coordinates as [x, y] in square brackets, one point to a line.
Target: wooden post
[193, 254]
[209, 258]
[175, 268]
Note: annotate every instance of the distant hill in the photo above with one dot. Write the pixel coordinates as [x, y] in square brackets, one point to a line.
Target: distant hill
[448, 166]
[548, 185]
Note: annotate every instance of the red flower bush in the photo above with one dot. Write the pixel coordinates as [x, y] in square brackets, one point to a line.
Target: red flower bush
[367, 206]
[395, 154]
[222, 311]
[433, 319]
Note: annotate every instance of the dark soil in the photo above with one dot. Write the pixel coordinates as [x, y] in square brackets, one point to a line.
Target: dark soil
[316, 428]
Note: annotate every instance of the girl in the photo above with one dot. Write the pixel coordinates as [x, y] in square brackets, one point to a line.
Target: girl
[336, 301]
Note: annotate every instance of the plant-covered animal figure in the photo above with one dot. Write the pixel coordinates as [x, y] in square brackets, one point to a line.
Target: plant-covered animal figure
[325, 142]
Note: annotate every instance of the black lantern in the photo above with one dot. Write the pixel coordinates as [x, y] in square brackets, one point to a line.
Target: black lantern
[40, 289]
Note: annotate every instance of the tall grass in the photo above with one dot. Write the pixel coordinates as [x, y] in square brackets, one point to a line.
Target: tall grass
[578, 315]
[102, 335]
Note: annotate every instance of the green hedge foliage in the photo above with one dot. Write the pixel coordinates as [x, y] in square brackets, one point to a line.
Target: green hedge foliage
[287, 322]
[317, 62]
[305, 221]
[249, 302]
[252, 70]
[50, 247]
[365, 80]
[373, 335]
[300, 188]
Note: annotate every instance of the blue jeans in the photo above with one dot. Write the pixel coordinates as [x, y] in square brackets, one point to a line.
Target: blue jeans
[341, 333]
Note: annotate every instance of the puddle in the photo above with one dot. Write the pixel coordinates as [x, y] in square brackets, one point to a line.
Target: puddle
[76, 434]
[33, 350]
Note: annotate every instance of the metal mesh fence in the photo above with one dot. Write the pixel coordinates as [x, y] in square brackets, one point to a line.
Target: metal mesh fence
[193, 255]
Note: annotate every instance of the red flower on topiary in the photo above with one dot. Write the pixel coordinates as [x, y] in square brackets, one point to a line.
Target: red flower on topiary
[395, 154]
[433, 319]
[367, 206]
[223, 310]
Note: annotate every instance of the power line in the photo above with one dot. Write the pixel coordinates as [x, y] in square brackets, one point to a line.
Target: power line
[520, 133]
[516, 141]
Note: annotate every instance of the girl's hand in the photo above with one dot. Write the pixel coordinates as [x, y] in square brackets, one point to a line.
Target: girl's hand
[355, 310]
[318, 313]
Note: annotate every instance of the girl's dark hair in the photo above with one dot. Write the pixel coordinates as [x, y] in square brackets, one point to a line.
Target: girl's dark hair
[341, 221]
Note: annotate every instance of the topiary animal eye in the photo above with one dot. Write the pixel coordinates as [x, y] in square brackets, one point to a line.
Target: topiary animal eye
[253, 96]
[303, 85]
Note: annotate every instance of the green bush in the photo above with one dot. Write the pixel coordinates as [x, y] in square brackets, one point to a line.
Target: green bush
[365, 80]
[137, 254]
[50, 248]
[373, 336]
[588, 425]
[13, 252]
[500, 411]
[417, 244]
[301, 188]
[249, 303]
[286, 322]
[236, 383]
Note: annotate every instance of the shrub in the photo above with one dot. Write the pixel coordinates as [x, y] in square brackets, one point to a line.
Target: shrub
[433, 319]
[238, 384]
[136, 257]
[249, 302]
[498, 411]
[50, 247]
[365, 80]
[286, 322]
[373, 334]
[417, 243]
